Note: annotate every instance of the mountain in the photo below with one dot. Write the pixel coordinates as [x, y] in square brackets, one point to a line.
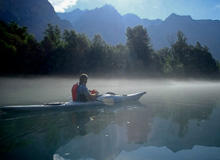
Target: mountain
[105, 21]
[35, 14]
[132, 20]
[73, 15]
[112, 26]
[204, 31]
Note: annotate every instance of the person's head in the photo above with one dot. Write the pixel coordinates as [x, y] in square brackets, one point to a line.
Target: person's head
[83, 78]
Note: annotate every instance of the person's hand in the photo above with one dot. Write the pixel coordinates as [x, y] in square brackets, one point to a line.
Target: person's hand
[94, 91]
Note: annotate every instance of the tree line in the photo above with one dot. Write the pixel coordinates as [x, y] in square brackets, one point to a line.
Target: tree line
[72, 53]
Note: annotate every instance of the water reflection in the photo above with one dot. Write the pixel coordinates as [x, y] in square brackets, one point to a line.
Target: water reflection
[167, 126]
[143, 127]
[158, 153]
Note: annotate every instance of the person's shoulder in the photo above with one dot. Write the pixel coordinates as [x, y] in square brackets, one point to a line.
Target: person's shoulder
[83, 86]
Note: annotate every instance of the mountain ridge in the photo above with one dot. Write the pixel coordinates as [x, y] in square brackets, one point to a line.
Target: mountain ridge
[162, 33]
[87, 24]
[110, 24]
[35, 15]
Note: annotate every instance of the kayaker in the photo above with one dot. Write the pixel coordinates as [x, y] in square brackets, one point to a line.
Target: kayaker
[80, 91]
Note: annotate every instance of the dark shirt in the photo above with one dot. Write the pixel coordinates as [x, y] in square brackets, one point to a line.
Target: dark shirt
[82, 93]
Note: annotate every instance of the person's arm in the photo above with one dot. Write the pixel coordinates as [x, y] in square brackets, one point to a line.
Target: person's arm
[90, 96]
[93, 96]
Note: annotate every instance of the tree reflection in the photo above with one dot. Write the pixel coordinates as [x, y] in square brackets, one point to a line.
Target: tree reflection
[182, 115]
[107, 131]
[138, 124]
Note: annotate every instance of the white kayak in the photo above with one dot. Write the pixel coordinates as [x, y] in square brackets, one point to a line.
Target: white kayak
[105, 99]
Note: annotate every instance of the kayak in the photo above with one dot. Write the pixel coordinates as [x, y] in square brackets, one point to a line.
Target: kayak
[108, 99]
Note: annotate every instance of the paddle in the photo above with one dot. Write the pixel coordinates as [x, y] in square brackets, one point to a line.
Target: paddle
[112, 93]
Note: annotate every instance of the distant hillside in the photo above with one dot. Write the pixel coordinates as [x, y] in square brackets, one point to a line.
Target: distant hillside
[132, 20]
[105, 21]
[35, 14]
[112, 26]
[204, 31]
[73, 15]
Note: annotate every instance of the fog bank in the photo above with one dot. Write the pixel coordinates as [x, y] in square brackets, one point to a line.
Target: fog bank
[18, 91]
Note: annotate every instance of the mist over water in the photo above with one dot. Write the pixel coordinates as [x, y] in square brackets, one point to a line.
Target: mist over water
[174, 120]
[18, 91]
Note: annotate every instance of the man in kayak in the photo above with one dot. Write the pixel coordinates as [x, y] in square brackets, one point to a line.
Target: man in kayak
[80, 91]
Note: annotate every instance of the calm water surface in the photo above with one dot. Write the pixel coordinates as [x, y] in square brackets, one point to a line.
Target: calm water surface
[174, 120]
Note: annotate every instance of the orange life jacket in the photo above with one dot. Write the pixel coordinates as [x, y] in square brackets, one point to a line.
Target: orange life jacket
[74, 91]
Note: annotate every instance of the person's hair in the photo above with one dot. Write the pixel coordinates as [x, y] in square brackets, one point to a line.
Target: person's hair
[83, 77]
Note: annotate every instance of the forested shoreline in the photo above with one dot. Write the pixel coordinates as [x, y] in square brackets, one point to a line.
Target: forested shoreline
[71, 53]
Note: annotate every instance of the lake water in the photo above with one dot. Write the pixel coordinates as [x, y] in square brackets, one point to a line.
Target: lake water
[175, 120]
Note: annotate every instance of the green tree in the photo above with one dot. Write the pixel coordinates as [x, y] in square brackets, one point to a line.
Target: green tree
[181, 52]
[193, 61]
[180, 47]
[203, 61]
[166, 60]
[138, 42]
[98, 53]
[52, 48]
[77, 48]
[70, 44]
[52, 38]
[142, 55]
[83, 51]
[120, 60]
[18, 50]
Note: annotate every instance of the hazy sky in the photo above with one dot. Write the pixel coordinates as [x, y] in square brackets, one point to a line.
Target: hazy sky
[151, 9]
